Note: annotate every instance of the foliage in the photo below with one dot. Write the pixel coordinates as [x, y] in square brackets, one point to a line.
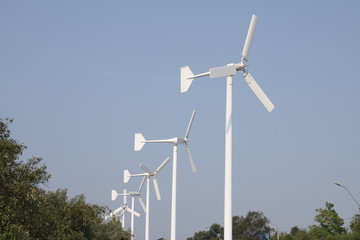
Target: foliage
[212, 234]
[20, 192]
[296, 233]
[355, 224]
[329, 222]
[254, 226]
[28, 212]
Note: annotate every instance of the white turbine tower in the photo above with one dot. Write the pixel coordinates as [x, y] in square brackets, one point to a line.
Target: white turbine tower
[187, 78]
[148, 173]
[114, 195]
[139, 143]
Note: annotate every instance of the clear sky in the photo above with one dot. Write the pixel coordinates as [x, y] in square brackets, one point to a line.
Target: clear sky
[81, 77]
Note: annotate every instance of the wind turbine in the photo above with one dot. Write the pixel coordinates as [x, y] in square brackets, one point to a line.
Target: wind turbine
[114, 195]
[187, 78]
[139, 143]
[148, 173]
[123, 208]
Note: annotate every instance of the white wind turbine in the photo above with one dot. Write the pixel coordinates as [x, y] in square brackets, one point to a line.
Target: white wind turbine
[123, 208]
[148, 173]
[187, 78]
[139, 143]
[114, 195]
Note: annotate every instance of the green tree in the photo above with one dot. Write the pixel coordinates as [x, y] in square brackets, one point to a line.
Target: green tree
[212, 234]
[20, 192]
[296, 233]
[76, 219]
[294, 230]
[355, 224]
[28, 212]
[255, 226]
[329, 223]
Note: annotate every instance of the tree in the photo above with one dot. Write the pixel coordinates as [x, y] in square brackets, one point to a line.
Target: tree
[212, 234]
[355, 224]
[329, 222]
[255, 226]
[28, 212]
[296, 233]
[294, 230]
[20, 192]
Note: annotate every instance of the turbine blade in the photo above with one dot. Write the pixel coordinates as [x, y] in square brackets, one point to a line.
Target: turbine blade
[190, 158]
[250, 36]
[135, 213]
[116, 211]
[141, 185]
[143, 167]
[156, 186]
[190, 123]
[142, 204]
[259, 93]
[162, 165]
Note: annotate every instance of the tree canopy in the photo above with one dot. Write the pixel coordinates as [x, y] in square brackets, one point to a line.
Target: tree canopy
[29, 212]
[254, 226]
[329, 222]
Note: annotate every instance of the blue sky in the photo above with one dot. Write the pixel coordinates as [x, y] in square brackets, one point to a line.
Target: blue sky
[80, 78]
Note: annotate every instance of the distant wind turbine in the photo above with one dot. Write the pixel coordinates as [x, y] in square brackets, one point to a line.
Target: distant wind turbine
[148, 173]
[123, 208]
[139, 143]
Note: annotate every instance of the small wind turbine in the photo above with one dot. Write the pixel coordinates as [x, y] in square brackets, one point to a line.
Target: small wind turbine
[123, 208]
[148, 173]
[187, 78]
[139, 143]
[114, 195]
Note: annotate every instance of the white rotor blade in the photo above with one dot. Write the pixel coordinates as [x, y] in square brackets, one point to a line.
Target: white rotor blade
[190, 158]
[141, 185]
[250, 36]
[258, 92]
[116, 211]
[143, 167]
[135, 213]
[156, 186]
[142, 204]
[162, 165]
[190, 123]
